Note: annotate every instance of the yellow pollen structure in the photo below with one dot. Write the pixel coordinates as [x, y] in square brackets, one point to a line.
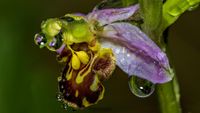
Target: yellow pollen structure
[75, 62]
[82, 55]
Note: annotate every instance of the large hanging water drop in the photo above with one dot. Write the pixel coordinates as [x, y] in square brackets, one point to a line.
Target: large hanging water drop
[141, 87]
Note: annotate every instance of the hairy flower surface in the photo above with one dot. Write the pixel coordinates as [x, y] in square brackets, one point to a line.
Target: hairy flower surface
[90, 46]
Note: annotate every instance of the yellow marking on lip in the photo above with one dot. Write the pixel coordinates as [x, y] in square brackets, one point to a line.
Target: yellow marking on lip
[94, 86]
[102, 94]
[79, 78]
[76, 94]
[85, 102]
[69, 75]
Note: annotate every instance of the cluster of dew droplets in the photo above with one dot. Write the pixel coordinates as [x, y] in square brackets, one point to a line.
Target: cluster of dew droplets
[140, 87]
[59, 97]
[68, 108]
[64, 105]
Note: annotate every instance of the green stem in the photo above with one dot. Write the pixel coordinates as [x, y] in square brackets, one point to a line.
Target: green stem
[168, 93]
[169, 97]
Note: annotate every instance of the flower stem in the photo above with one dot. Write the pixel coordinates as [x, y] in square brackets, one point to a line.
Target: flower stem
[169, 97]
[168, 93]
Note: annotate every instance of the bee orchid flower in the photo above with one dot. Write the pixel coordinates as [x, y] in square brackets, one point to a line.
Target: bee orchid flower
[90, 46]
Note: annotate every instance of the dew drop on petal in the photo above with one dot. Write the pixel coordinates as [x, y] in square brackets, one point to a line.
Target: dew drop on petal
[140, 87]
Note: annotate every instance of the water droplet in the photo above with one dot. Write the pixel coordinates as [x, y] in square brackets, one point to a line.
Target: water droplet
[40, 40]
[141, 87]
[68, 108]
[65, 106]
[192, 8]
[56, 42]
[59, 97]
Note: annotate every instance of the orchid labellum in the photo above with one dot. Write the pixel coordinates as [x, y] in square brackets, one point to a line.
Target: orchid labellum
[91, 46]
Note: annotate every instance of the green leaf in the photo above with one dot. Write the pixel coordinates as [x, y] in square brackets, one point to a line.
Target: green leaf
[172, 9]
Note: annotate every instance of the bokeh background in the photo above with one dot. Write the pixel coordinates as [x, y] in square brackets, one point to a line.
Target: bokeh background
[28, 74]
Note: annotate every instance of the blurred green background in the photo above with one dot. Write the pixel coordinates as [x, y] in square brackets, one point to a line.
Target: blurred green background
[28, 74]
